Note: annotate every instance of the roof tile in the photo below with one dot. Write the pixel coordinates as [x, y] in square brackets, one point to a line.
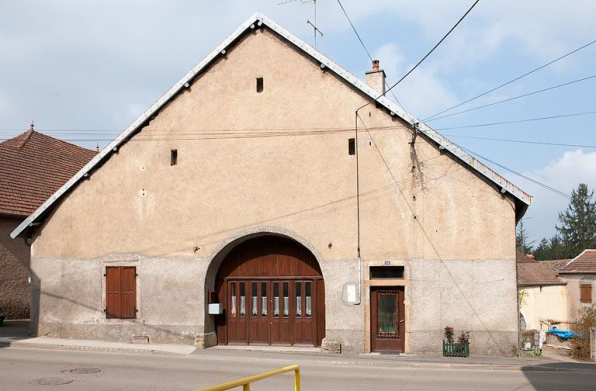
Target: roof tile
[33, 167]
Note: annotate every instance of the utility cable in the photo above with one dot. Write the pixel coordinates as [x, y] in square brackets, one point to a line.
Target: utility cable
[519, 121]
[433, 49]
[552, 189]
[371, 58]
[522, 141]
[515, 97]
[511, 81]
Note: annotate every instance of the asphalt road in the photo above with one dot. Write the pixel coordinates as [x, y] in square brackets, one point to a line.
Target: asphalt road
[38, 369]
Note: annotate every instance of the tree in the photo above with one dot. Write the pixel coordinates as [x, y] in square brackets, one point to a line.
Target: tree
[578, 222]
[543, 250]
[522, 239]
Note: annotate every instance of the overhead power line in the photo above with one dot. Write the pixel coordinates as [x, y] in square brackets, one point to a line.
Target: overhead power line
[519, 121]
[433, 49]
[515, 97]
[522, 141]
[370, 56]
[511, 81]
[552, 189]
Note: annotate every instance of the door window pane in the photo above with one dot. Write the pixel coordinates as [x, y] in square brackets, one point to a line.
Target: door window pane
[233, 303]
[286, 301]
[308, 300]
[387, 308]
[276, 299]
[242, 299]
[298, 299]
[254, 309]
[263, 299]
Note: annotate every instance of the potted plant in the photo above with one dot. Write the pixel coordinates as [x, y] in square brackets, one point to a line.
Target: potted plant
[461, 348]
[2, 316]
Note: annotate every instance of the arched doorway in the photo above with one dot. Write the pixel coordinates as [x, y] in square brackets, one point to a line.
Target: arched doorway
[272, 292]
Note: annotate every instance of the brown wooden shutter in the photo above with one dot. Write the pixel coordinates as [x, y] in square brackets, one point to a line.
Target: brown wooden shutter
[585, 293]
[128, 291]
[113, 297]
[121, 292]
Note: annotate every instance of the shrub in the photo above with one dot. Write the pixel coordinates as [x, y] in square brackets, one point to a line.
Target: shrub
[449, 334]
[580, 344]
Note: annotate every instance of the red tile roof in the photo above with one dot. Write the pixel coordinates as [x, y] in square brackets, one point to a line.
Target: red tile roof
[583, 263]
[531, 272]
[33, 167]
[555, 264]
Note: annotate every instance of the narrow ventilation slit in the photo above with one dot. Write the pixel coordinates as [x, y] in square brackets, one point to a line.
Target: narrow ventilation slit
[351, 146]
[173, 157]
[259, 84]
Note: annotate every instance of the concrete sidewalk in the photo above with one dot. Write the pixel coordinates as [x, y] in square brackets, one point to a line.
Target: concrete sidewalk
[15, 334]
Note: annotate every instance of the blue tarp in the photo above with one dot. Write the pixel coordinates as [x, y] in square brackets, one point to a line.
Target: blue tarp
[562, 333]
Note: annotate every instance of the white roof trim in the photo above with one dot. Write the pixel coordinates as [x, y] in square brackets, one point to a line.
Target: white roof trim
[576, 258]
[258, 19]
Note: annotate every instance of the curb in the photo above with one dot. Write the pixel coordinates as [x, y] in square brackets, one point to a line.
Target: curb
[79, 348]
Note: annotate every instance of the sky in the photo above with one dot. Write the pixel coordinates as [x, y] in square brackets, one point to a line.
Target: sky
[84, 70]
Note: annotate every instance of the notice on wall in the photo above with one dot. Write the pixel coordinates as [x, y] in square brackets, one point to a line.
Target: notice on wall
[351, 293]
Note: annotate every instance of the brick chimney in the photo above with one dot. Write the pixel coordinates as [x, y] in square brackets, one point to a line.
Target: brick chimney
[376, 78]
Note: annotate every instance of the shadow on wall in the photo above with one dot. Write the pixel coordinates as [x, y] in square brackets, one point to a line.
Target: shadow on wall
[561, 376]
[124, 336]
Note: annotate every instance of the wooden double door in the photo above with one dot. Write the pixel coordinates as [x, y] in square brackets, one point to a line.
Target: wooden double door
[272, 311]
[272, 292]
[387, 312]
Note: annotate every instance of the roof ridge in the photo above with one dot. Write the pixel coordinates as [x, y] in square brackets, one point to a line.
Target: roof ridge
[64, 142]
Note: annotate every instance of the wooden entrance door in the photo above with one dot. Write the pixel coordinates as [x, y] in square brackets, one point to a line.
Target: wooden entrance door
[387, 319]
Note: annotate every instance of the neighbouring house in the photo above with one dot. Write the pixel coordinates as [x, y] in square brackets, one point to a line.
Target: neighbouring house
[542, 294]
[580, 275]
[272, 198]
[33, 166]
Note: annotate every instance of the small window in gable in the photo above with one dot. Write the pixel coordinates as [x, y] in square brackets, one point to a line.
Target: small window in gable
[351, 146]
[259, 84]
[173, 157]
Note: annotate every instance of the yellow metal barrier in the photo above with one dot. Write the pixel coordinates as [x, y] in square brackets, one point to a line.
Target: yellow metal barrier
[245, 382]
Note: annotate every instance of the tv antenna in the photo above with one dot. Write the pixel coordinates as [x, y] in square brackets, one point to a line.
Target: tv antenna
[316, 30]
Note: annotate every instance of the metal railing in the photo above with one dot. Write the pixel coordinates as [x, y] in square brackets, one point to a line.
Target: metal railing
[547, 324]
[246, 381]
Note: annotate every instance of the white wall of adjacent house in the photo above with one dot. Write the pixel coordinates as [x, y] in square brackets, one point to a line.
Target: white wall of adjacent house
[540, 303]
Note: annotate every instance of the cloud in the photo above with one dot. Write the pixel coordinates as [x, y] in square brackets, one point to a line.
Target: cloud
[564, 174]
[422, 92]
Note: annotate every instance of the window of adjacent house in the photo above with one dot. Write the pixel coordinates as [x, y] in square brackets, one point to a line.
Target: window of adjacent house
[351, 146]
[121, 292]
[585, 293]
[259, 84]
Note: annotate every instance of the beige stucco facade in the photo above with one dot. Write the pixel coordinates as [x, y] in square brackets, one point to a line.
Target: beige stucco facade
[277, 162]
[541, 303]
[574, 305]
[14, 271]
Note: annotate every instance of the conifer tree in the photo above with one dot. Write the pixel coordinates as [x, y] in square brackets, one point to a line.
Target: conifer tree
[578, 223]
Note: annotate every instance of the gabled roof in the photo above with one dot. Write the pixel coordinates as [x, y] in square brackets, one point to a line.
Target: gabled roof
[257, 21]
[533, 273]
[583, 263]
[33, 167]
[556, 264]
